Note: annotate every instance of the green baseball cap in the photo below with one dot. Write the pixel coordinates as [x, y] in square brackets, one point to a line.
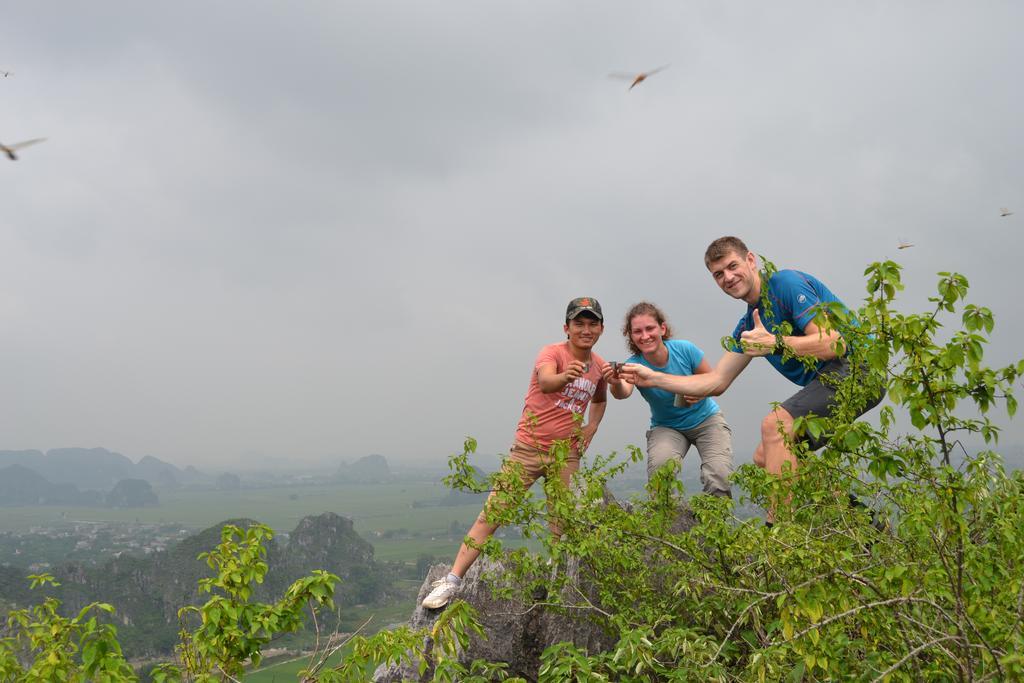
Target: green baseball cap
[581, 304]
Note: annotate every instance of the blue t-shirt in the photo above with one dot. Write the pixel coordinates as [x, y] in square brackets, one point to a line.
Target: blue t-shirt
[793, 296]
[683, 359]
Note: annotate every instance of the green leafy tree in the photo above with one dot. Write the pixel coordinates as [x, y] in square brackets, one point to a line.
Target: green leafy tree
[220, 638]
[928, 584]
[41, 645]
[231, 630]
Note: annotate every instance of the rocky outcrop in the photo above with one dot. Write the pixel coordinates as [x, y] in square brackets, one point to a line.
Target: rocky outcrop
[329, 540]
[517, 631]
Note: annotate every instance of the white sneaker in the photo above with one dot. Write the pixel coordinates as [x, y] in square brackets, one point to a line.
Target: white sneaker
[442, 593]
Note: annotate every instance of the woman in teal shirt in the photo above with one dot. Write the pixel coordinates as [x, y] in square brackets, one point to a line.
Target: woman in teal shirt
[676, 422]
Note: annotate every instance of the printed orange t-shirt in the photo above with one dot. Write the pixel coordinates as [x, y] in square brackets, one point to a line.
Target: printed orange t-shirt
[549, 417]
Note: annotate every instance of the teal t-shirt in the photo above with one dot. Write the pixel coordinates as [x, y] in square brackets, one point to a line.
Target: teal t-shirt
[794, 297]
[683, 359]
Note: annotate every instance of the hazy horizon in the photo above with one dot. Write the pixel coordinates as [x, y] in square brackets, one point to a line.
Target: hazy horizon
[311, 231]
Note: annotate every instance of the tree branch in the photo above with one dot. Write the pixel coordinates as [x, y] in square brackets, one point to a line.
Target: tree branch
[911, 654]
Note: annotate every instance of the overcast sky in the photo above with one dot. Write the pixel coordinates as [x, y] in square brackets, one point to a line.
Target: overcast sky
[316, 230]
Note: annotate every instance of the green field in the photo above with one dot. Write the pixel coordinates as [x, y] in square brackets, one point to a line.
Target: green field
[371, 506]
[286, 668]
[375, 509]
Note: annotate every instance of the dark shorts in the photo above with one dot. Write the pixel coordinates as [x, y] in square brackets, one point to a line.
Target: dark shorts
[817, 397]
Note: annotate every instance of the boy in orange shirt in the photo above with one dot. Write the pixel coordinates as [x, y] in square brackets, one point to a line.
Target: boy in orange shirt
[567, 377]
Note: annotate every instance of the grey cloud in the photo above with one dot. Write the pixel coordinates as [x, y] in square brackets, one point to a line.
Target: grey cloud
[325, 228]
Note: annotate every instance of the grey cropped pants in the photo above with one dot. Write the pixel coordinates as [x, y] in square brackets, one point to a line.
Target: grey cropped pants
[713, 439]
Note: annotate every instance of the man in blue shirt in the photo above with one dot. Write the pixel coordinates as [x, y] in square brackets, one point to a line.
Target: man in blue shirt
[793, 299]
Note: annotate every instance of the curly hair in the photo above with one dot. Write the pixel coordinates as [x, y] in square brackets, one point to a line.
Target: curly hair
[644, 308]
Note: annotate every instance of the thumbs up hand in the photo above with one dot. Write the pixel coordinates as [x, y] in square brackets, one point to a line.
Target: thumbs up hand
[758, 341]
[757, 320]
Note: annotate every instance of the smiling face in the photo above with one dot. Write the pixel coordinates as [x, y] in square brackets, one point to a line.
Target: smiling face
[584, 330]
[737, 276]
[646, 333]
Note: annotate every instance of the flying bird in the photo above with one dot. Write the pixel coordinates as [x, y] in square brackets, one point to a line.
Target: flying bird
[904, 244]
[1005, 212]
[638, 78]
[10, 150]
[5, 74]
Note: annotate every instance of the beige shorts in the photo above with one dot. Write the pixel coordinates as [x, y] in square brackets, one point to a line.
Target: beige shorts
[534, 463]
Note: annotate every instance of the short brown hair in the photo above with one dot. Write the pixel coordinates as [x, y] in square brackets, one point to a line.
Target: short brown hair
[644, 308]
[723, 246]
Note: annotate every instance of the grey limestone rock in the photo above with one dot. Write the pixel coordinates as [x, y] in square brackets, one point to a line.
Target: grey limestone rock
[518, 630]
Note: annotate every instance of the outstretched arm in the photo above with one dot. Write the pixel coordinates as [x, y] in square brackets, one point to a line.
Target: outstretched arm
[689, 399]
[711, 383]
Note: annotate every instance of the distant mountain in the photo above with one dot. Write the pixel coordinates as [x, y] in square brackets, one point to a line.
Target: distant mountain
[99, 469]
[21, 486]
[228, 482]
[147, 592]
[87, 468]
[131, 493]
[372, 469]
[190, 476]
[158, 473]
[27, 459]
